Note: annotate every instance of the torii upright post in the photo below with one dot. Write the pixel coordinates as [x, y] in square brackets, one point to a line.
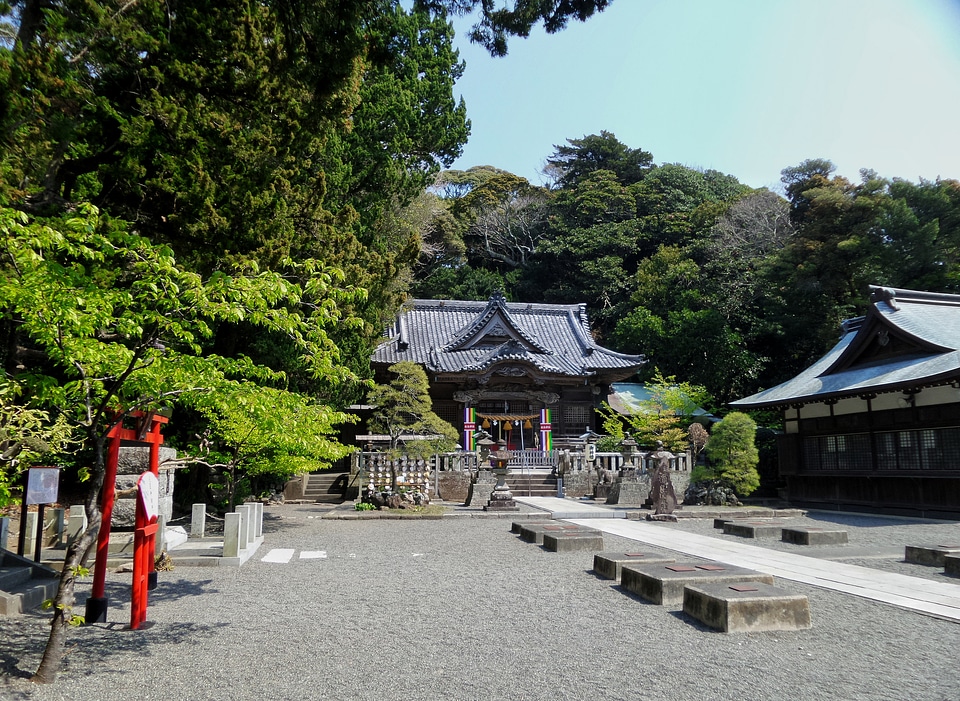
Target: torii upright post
[148, 430]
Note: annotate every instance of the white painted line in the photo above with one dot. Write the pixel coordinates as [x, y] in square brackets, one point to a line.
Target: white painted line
[280, 555]
[313, 555]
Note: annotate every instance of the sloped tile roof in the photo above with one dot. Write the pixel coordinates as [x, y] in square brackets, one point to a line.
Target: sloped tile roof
[929, 322]
[450, 336]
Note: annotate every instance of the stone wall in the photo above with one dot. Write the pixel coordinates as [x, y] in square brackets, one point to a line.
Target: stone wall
[134, 461]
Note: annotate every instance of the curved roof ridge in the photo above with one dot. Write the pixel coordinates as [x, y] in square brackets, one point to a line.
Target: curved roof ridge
[496, 305]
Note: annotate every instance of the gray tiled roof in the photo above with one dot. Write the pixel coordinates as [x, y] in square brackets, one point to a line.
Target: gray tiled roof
[930, 323]
[456, 336]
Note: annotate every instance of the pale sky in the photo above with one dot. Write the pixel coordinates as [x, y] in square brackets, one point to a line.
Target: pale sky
[746, 87]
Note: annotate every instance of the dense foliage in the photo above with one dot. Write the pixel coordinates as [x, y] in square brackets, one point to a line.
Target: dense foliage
[161, 165]
[723, 286]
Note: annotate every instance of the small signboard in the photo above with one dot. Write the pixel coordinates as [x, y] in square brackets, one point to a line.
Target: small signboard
[43, 485]
[149, 488]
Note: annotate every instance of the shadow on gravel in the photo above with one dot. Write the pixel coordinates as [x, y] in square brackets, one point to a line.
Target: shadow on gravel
[693, 622]
[168, 589]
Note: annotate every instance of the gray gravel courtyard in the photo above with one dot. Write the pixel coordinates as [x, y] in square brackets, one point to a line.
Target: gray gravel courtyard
[460, 608]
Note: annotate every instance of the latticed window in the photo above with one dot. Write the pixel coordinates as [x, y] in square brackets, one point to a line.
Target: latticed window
[925, 449]
[449, 412]
[576, 418]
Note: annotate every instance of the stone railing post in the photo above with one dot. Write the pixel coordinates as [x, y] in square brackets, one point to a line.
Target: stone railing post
[245, 539]
[232, 524]
[198, 520]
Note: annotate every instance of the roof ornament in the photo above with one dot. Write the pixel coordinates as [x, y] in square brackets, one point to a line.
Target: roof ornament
[885, 294]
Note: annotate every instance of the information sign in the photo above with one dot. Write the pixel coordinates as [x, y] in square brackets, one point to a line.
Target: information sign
[43, 485]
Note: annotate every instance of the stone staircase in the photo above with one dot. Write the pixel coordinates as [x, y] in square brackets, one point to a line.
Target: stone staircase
[532, 484]
[326, 487]
[24, 584]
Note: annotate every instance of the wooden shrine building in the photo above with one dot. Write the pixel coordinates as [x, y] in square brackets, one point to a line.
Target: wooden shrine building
[529, 374]
[875, 423]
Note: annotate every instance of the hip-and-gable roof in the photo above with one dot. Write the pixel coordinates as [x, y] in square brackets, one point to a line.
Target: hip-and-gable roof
[906, 340]
[456, 337]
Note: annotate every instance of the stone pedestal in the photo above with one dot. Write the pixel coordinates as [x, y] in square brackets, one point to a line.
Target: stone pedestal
[501, 499]
[628, 491]
[481, 488]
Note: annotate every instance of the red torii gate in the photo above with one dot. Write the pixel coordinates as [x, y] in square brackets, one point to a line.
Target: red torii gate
[147, 431]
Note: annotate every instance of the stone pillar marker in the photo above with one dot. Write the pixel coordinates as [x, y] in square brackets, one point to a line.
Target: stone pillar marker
[76, 523]
[258, 520]
[4, 532]
[30, 544]
[198, 520]
[245, 530]
[231, 534]
[53, 528]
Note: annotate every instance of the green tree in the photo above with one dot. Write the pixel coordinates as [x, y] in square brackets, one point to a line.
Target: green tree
[107, 324]
[732, 452]
[580, 157]
[27, 435]
[403, 408]
[665, 416]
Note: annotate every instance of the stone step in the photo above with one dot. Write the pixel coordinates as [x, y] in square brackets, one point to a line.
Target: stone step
[748, 607]
[13, 576]
[326, 487]
[26, 584]
[664, 584]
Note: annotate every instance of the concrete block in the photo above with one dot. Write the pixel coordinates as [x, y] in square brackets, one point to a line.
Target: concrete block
[813, 536]
[720, 522]
[570, 541]
[752, 529]
[516, 526]
[932, 555]
[533, 532]
[663, 584]
[746, 608]
[608, 565]
[951, 565]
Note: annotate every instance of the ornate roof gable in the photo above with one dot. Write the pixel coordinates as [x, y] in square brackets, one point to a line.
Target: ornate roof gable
[494, 326]
[891, 329]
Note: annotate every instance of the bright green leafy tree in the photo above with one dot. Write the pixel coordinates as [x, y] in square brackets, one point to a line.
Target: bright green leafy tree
[107, 323]
[664, 416]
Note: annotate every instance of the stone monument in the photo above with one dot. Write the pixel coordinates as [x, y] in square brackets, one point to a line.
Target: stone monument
[662, 495]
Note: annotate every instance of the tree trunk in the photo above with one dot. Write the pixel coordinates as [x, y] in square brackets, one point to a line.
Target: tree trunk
[64, 599]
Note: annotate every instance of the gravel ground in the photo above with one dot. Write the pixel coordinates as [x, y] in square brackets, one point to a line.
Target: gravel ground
[463, 609]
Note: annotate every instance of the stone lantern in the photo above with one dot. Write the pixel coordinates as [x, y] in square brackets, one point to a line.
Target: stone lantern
[500, 499]
[628, 449]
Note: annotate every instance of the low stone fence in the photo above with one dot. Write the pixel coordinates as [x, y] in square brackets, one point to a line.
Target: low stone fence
[448, 476]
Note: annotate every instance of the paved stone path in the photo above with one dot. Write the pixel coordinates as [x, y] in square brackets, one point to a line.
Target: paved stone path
[940, 599]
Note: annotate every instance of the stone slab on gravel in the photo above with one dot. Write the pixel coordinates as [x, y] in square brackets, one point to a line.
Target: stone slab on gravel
[813, 536]
[571, 541]
[608, 564]
[931, 555]
[663, 584]
[747, 607]
[752, 529]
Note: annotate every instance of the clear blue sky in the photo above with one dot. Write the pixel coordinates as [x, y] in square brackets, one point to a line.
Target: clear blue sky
[746, 87]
